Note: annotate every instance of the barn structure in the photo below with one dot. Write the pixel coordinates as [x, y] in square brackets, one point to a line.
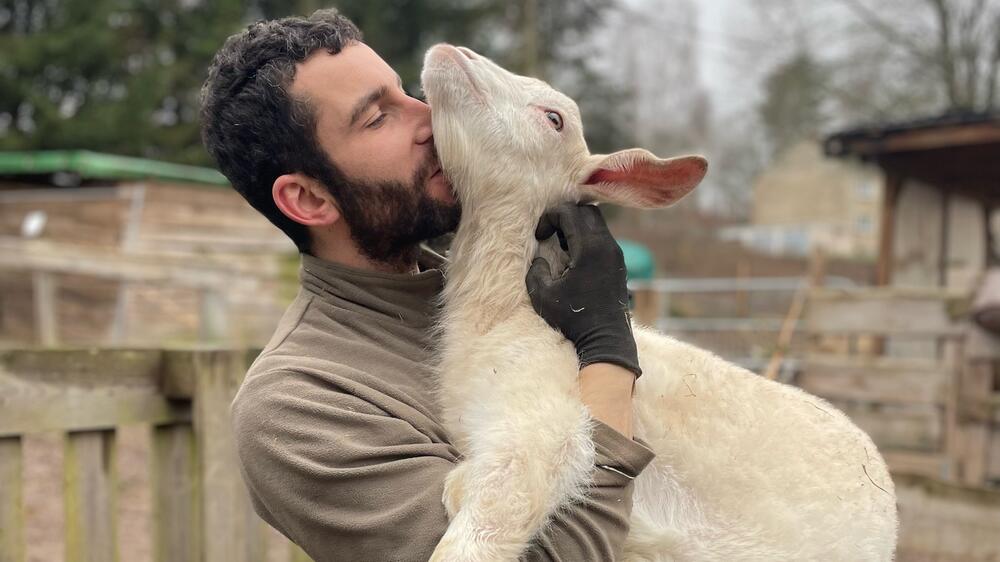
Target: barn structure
[98, 249]
[908, 360]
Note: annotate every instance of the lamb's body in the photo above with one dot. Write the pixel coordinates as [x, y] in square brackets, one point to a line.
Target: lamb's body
[746, 468]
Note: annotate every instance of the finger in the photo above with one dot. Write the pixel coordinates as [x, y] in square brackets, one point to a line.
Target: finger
[539, 275]
[568, 220]
[545, 228]
[592, 220]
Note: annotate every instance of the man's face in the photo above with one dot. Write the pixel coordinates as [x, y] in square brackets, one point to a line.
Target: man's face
[392, 194]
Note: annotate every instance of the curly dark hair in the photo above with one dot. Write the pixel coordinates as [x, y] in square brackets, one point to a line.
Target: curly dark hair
[251, 124]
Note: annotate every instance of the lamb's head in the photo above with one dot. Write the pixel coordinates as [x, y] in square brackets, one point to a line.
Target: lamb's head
[502, 135]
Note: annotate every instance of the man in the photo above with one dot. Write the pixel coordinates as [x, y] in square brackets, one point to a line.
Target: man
[337, 429]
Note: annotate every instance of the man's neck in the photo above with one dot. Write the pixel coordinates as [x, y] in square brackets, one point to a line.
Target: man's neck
[345, 252]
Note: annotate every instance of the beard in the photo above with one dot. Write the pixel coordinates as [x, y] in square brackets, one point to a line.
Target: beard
[389, 219]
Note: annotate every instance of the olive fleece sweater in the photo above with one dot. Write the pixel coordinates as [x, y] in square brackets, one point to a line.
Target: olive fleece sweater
[340, 441]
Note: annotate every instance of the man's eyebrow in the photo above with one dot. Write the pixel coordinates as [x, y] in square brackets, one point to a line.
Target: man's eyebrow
[366, 102]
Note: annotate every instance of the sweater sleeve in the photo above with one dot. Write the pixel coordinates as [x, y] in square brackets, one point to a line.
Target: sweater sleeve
[346, 481]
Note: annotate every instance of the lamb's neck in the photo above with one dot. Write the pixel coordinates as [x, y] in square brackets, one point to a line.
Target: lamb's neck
[489, 259]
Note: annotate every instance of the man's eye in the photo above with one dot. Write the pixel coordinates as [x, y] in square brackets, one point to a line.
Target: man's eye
[377, 122]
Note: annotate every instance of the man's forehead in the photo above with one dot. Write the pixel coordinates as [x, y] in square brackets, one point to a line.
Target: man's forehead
[334, 83]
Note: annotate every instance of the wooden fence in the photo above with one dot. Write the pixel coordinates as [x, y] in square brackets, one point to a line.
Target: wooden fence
[895, 361]
[201, 511]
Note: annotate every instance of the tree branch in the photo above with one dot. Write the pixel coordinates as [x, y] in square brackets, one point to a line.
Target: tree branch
[991, 84]
[871, 19]
[944, 58]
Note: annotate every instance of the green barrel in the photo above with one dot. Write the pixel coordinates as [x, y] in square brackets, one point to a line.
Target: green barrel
[639, 261]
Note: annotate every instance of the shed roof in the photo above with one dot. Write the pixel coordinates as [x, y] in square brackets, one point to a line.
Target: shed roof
[955, 152]
[95, 165]
[944, 131]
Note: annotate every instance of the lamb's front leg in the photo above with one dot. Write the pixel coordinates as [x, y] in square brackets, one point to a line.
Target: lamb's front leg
[525, 456]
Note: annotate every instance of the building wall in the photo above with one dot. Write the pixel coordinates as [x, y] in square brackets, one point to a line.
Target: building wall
[923, 232]
[831, 203]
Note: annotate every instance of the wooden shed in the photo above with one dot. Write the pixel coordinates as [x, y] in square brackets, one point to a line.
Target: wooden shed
[941, 187]
[99, 249]
[905, 360]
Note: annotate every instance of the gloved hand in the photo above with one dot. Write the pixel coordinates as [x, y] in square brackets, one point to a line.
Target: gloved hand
[588, 302]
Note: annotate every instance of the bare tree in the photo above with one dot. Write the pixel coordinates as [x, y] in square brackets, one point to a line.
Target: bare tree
[891, 59]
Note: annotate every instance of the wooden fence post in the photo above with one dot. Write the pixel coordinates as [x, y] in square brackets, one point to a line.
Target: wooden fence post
[89, 496]
[176, 494]
[230, 530]
[647, 305]
[46, 298]
[11, 501]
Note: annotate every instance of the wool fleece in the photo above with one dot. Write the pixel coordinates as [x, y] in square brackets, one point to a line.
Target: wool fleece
[340, 439]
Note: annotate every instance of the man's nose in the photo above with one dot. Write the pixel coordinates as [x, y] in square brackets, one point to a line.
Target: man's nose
[424, 132]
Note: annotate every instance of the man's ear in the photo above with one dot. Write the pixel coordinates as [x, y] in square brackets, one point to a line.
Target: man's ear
[637, 178]
[304, 200]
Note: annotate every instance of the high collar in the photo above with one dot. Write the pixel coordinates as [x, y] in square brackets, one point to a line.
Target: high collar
[413, 298]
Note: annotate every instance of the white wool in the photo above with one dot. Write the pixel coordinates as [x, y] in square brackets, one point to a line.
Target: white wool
[745, 468]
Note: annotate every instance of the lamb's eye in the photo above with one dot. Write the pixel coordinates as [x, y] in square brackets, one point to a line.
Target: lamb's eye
[555, 119]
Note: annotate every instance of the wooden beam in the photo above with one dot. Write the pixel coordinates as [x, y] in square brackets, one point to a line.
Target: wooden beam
[917, 313]
[12, 538]
[875, 379]
[231, 529]
[48, 257]
[76, 390]
[887, 226]
[90, 497]
[927, 139]
[943, 247]
[45, 292]
[176, 494]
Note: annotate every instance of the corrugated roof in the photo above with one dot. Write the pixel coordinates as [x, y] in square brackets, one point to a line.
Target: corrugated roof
[95, 165]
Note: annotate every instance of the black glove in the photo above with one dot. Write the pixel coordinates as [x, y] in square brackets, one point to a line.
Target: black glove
[588, 302]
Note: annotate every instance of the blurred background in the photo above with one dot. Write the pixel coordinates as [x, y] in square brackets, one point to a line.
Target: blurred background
[843, 241]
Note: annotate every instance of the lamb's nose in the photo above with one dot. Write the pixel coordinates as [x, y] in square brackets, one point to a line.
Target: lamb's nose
[468, 54]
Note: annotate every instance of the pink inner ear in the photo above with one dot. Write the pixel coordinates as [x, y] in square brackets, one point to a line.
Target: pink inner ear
[648, 183]
[647, 175]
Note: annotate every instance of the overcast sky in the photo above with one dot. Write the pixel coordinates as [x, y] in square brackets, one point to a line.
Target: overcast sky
[731, 84]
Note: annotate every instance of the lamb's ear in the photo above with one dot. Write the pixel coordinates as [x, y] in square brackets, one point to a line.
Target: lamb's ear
[637, 178]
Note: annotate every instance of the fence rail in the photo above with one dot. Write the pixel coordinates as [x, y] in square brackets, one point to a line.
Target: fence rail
[200, 508]
[202, 514]
[739, 318]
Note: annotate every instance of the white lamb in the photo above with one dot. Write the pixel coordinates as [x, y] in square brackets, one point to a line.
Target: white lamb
[745, 468]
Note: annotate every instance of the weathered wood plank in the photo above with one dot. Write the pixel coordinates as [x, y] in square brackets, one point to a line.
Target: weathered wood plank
[237, 534]
[972, 464]
[11, 500]
[898, 426]
[932, 465]
[881, 312]
[874, 379]
[45, 292]
[72, 390]
[176, 494]
[89, 496]
[946, 523]
[179, 370]
[993, 469]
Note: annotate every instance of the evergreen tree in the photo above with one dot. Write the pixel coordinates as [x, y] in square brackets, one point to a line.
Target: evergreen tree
[793, 96]
[123, 76]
